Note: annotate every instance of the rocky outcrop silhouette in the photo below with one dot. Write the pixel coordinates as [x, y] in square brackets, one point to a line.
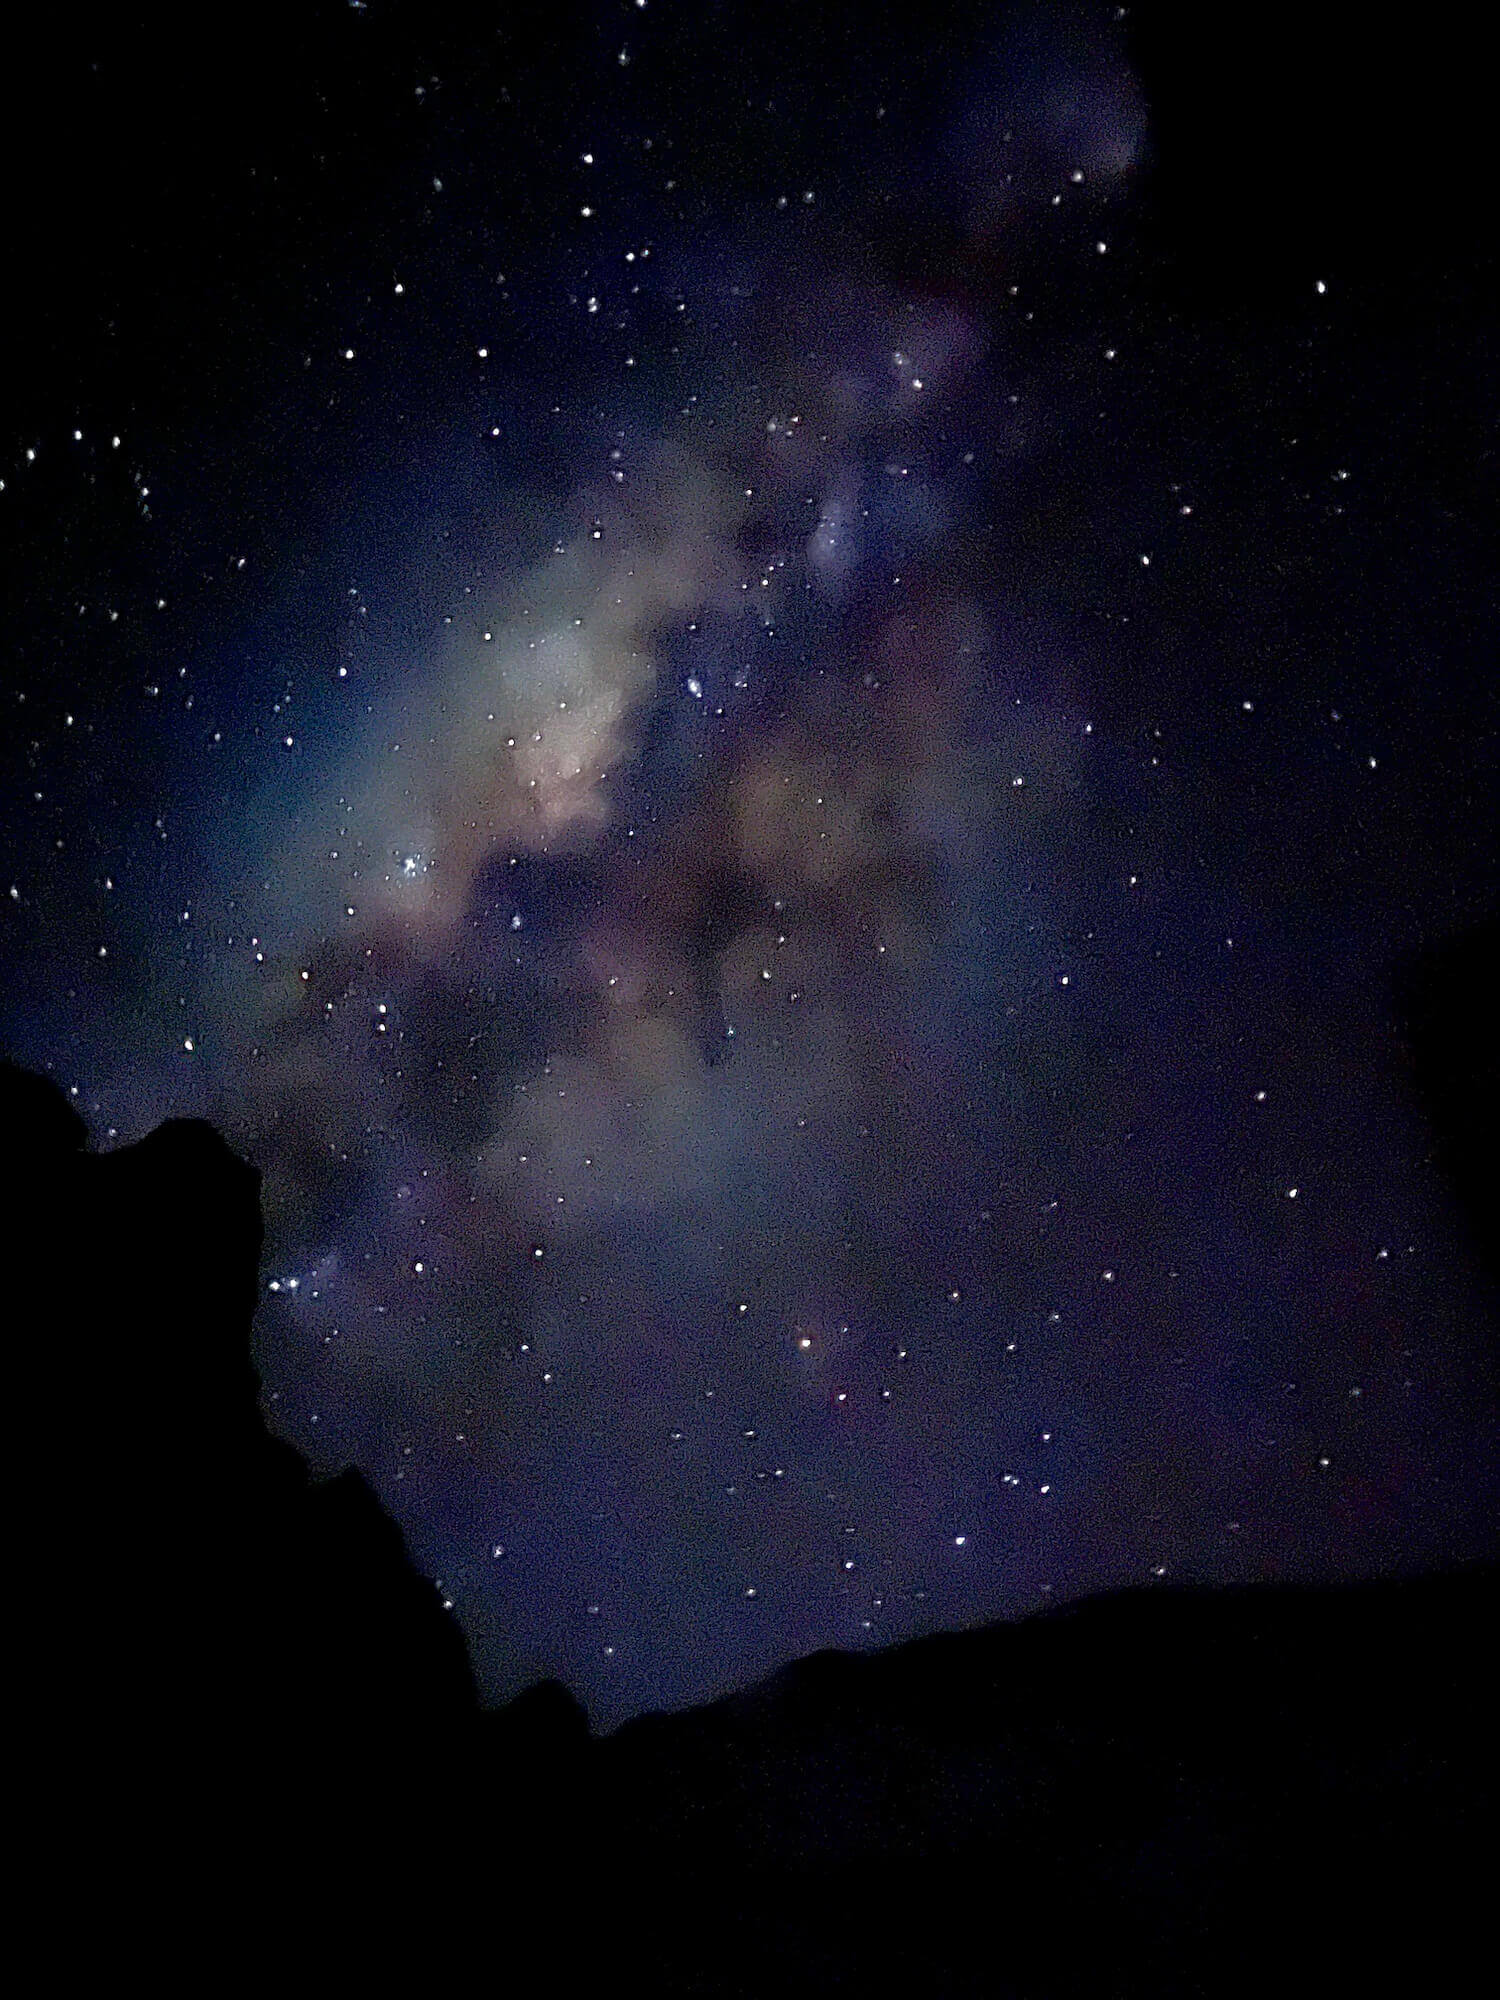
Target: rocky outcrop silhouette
[235, 1683]
[1446, 999]
[248, 1741]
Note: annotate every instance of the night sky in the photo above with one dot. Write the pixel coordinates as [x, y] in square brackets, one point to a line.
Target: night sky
[765, 696]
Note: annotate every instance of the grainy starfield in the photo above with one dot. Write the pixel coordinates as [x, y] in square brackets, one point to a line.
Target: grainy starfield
[715, 682]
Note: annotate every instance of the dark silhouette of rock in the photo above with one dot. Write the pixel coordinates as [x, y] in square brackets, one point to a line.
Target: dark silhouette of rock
[1447, 1001]
[249, 1742]
[237, 1684]
[1157, 1792]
